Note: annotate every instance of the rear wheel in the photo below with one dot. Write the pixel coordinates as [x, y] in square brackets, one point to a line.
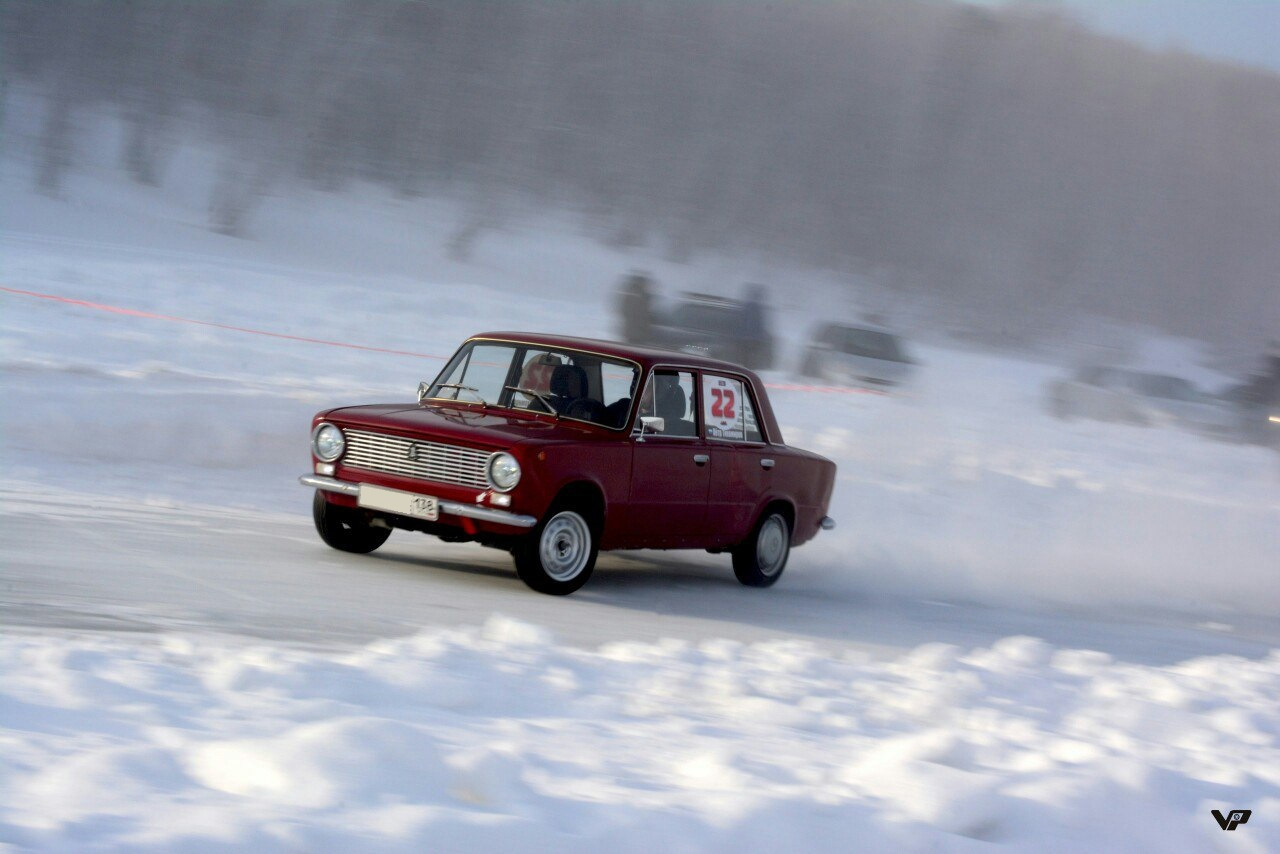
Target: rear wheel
[557, 557]
[346, 529]
[759, 560]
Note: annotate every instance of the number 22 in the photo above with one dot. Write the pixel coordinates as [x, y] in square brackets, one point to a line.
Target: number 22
[722, 404]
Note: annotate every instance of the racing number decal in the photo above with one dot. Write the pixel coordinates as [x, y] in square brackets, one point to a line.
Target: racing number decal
[723, 403]
[721, 410]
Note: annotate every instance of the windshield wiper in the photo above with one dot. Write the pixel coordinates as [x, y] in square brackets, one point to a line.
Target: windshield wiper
[461, 387]
[546, 401]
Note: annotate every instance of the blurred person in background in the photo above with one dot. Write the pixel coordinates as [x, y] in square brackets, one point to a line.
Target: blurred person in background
[635, 308]
[755, 328]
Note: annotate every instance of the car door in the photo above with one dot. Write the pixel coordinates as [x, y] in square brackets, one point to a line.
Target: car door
[670, 470]
[742, 465]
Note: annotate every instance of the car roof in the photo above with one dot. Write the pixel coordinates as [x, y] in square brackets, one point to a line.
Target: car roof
[646, 356]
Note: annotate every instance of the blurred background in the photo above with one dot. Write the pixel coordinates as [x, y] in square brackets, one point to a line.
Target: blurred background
[1004, 169]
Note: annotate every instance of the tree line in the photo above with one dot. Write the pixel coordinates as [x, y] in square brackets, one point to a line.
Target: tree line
[1010, 164]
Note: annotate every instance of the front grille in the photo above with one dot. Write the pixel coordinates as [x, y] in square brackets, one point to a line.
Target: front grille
[416, 458]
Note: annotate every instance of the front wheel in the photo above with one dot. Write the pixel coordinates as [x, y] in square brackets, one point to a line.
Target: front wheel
[759, 560]
[346, 529]
[559, 555]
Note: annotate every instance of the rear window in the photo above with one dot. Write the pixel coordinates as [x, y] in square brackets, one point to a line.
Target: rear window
[727, 410]
[712, 318]
[873, 345]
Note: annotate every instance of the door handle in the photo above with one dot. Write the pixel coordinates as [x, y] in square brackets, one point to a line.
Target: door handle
[702, 459]
[766, 464]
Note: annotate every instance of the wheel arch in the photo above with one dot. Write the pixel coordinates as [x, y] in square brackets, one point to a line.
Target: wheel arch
[781, 504]
[585, 495]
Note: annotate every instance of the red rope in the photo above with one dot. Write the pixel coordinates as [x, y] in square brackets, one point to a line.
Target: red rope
[133, 312]
[150, 315]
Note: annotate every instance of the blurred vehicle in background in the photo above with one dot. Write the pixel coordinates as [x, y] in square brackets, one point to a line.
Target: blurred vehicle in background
[1139, 398]
[866, 356]
[1256, 405]
[718, 328]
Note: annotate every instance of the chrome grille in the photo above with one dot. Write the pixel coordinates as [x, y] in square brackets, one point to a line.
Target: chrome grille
[416, 458]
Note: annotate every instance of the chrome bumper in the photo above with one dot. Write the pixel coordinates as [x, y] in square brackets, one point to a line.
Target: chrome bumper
[453, 508]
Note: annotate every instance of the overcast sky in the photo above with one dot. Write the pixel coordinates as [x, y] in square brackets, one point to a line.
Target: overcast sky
[1245, 31]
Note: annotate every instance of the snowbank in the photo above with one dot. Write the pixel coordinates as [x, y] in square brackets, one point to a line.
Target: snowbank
[495, 738]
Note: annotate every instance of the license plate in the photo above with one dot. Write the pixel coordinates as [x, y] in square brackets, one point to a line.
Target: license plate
[397, 501]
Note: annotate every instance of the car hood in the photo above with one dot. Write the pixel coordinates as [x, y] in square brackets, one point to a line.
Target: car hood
[462, 424]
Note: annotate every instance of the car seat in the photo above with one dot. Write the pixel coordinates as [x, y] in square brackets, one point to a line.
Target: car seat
[671, 405]
[568, 385]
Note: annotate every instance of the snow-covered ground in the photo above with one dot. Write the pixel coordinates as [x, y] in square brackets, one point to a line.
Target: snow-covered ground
[495, 738]
[184, 667]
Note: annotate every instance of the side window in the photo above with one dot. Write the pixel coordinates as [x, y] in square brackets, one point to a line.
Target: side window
[727, 410]
[669, 396]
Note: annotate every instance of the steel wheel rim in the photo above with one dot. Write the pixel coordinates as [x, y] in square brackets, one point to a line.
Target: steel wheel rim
[565, 546]
[771, 545]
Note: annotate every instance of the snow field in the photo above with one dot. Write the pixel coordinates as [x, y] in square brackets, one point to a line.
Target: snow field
[501, 738]
[495, 737]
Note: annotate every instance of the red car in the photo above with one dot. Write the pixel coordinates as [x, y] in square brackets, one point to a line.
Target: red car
[554, 448]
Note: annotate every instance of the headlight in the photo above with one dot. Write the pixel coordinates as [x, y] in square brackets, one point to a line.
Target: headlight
[327, 442]
[504, 472]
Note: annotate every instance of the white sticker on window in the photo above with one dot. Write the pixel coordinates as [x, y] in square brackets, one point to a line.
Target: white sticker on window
[722, 408]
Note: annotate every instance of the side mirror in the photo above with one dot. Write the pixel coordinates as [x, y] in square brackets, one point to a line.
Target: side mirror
[652, 423]
[423, 388]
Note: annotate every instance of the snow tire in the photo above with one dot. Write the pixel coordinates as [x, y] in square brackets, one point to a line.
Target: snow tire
[346, 529]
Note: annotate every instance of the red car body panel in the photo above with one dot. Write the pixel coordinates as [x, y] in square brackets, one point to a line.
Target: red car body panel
[654, 494]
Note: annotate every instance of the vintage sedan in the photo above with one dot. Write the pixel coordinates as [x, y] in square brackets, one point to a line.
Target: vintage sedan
[554, 448]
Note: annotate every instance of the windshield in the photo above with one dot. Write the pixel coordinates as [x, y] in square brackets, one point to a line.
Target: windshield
[561, 382]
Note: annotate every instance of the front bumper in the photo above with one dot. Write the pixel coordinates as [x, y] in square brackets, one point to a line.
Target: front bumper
[453, 508]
